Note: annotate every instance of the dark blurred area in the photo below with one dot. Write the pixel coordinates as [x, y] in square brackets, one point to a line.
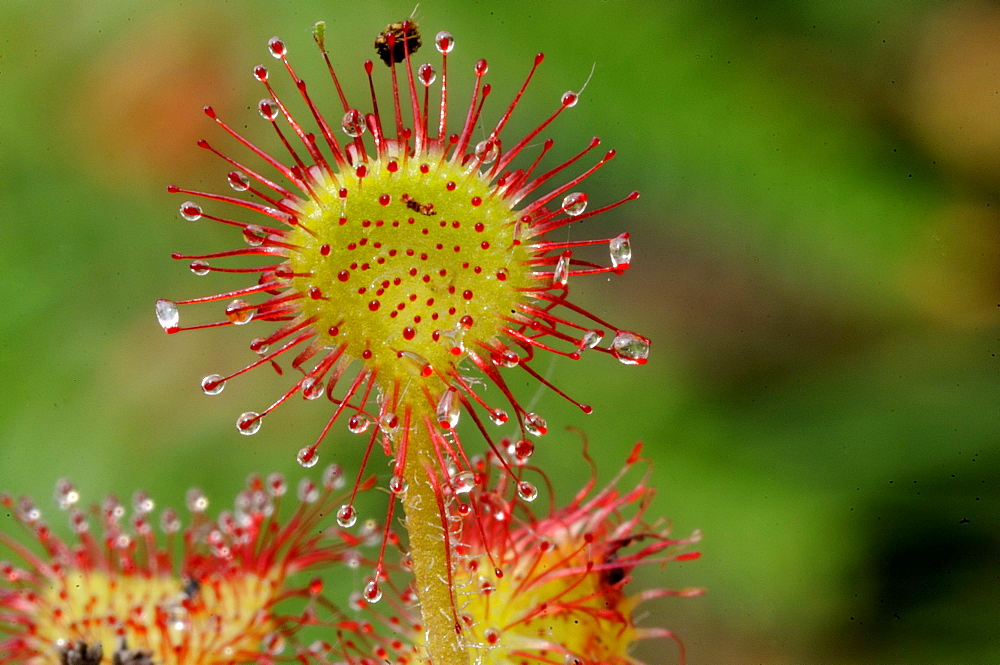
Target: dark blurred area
[816, 259]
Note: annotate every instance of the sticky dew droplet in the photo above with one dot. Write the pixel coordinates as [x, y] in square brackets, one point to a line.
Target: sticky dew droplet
[239, 312]
[66, 494]
[238, 181]
[347, 516]
[527, 491]
[307, 457]
[574, 204]
[170, 522]
[449, 409]
[196, 501]
[444, 42]
[213, 384]
[498, 416]
[560, 274]
[427, 75]
[267, 109]
[388, 423]
[535, 424]
[333, 477]
[487, 151]
[397, 484]
[200, 268]
[462, 483]
[620, 250]
[353, 123]
[277, 47]
[248, 423]
[167, 315]
[312, 388]
[273, 644]
[358, 424]
[590, 339]
[307, 491]
[523, 449]
[190, 211]
[372, 592]
[630, 348]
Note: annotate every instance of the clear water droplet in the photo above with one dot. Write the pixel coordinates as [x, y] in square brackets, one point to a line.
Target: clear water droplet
[277, 47]
[190, 211]
[630, 348]
[200, 267]
[591, 338]
[273, 644]
[449, 409]
[213, 384]
[372, 592]
[427, 75]
[347, 516]
[142, 503]
[444, 41]
[78, 521]
[388, 423]
[498, 416]
[66, 494]
[320, 648]
[570, 98]
[312, 388]
[27, 511]
[527, 491]
[358, 423]
[509, 359]
[276, 484]
[196, 500]
[397, 484]
[248, 423]
[462, 483]
[333, 477]
[307, 457]
[239, 312]
[267, 109]
[259, 346]
[254, 235]
[535, 424]
[167, 314]
[560, 275]
[307, 491]
[621, 251]
[238, 181]
[523, 450]
[491, 635]
[487, 151]
[170, 522]
[353, 123]
[574, 204]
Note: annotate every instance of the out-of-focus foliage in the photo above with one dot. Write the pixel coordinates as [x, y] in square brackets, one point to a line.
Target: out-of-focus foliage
[816, 258]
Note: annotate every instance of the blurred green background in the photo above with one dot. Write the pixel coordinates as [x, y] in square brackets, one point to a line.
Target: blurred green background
[816, 259]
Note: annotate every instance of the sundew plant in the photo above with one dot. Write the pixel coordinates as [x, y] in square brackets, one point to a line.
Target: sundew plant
[404, 256]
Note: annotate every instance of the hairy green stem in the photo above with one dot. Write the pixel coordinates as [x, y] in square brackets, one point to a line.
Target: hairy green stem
[429, 548]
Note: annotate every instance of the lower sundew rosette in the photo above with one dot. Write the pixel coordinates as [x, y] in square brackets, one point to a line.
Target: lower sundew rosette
[532, 588]
[551, 588]
[213, 592]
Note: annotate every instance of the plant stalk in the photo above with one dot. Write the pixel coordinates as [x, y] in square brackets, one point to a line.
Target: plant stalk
[428, 549]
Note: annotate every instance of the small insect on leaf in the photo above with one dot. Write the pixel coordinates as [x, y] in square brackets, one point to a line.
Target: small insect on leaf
[398, 39]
